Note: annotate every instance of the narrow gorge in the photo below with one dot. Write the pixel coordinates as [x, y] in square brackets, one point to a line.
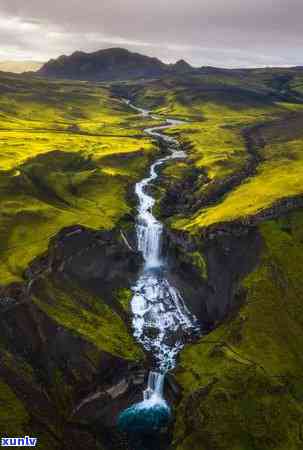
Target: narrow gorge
[161, 320]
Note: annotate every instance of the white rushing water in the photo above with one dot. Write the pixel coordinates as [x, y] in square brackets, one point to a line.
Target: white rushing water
[161, 320]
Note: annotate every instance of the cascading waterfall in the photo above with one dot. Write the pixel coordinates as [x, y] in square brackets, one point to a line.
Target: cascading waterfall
[154, 386]
[161, 320]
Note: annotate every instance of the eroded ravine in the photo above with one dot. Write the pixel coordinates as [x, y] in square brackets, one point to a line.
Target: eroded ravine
[161, 321]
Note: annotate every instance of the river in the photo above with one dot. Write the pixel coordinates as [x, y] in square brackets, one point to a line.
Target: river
[161, 320]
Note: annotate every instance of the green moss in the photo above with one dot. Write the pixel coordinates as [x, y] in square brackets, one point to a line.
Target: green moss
[13, 415]
[246, 410]
[242, 382]
[17, 420]
[270, 184]
[124, 297]
[196, 260]
[18, 364]
[283, 147]
[216, 143]
[62, 396]
[200, 263]
[213, 134]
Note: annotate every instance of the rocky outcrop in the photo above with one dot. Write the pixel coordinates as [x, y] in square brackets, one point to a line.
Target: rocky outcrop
[208, 268]
[278, 209]
[208, 272]
[95, 260]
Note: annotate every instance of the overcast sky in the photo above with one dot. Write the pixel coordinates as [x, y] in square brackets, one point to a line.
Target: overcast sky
[228, 33]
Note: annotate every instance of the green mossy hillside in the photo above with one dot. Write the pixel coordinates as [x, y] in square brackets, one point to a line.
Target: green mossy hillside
[277, 177]
[13, 415]
[242, 383]
[240, 128]
[66, 344]
[16, 416]
[69, 153]
[88, 316]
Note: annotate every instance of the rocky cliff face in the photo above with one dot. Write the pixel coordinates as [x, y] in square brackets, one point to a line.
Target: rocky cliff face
[101, 262]
[209, 271]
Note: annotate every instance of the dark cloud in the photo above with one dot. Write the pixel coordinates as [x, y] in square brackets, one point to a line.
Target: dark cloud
[217, 32]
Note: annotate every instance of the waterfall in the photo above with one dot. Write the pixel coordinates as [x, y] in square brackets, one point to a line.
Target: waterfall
[161, 320]
[149, 235]
[154, 390]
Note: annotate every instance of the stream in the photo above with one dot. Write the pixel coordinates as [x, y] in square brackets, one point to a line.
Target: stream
[161, 321]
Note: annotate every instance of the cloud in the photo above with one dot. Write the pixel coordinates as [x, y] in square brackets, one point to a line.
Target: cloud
[225, 33]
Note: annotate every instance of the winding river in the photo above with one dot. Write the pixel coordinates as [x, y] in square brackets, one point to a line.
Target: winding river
[161, 320]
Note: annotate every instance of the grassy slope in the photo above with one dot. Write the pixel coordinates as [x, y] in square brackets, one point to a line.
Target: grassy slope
[57, 168]
[220, 109]
[87, 316]
[78, 314]
[278, 176]
[244, 380]
[13, 415]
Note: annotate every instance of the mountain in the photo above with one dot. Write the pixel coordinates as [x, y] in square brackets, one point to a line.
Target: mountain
[118, 64]
[110, 64]
[20, 66]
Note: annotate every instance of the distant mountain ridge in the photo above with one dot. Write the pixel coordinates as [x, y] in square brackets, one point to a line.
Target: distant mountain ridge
[110, 64]
[118, 64]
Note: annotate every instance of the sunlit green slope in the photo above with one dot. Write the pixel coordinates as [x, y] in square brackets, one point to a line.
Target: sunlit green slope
[237, 128]
[69, 152]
